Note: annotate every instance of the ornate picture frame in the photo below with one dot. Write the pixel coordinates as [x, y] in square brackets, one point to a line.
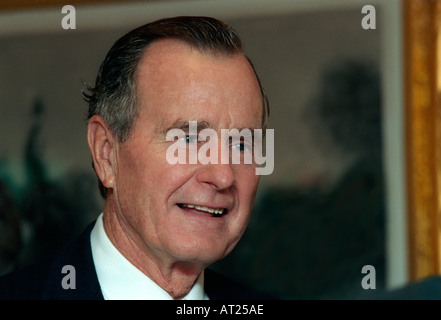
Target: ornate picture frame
[423, 152]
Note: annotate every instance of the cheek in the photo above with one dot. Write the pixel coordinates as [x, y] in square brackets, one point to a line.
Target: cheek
[247, 182]
[140, 163]
[134, 179]
[145, 183]
[145, 177]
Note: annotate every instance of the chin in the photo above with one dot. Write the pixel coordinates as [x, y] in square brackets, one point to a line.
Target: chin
[202, 253]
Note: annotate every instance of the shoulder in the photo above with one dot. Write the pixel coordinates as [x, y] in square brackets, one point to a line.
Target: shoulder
[25, 283]
[220, 287]
[44, 279]
[425, 289]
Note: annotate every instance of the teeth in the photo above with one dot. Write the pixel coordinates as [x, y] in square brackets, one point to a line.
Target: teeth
[217, 211]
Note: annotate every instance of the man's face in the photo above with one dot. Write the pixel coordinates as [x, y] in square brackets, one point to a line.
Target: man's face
[154, 199]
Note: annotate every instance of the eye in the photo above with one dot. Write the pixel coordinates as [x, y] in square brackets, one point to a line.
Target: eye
[242, 146]
[189, 139]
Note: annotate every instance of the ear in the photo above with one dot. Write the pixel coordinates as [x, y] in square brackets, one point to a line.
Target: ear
[102, 147]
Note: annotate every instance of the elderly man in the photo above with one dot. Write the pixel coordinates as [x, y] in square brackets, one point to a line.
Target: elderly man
[162, 224]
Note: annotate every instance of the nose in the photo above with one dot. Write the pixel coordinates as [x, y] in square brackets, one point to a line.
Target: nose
[220, 176]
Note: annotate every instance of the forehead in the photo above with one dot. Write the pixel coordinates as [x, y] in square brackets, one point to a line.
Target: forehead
[176, 81]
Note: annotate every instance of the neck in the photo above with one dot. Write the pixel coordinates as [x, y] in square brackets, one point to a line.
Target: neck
[175, 277]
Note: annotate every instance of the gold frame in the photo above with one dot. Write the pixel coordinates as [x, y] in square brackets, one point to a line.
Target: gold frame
[422, 110]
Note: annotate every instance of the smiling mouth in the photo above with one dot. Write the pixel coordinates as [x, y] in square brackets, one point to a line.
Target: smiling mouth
[214, 212]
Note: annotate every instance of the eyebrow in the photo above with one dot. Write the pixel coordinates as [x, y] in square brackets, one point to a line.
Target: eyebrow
[183, 124]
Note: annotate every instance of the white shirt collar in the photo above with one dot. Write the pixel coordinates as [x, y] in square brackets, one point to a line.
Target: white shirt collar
[120, 280]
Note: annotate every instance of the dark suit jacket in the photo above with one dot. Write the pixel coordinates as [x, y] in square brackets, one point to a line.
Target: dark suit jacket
[43, 280]
[424, 289]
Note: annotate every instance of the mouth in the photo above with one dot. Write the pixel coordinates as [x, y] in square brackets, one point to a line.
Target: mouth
[202, 210]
